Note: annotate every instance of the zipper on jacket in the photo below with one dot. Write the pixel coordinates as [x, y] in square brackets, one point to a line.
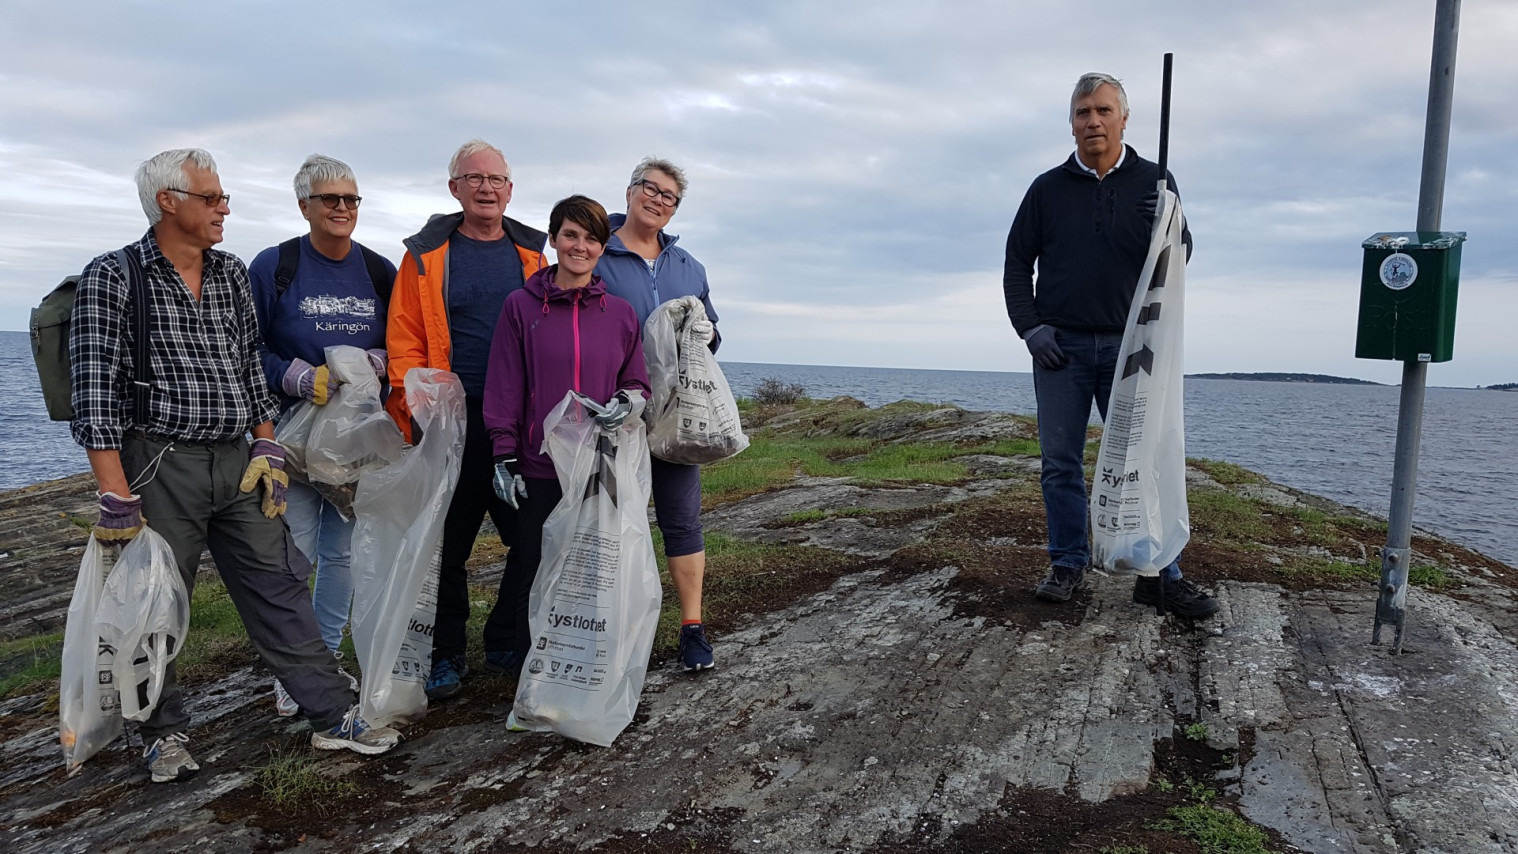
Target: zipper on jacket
[575, 321]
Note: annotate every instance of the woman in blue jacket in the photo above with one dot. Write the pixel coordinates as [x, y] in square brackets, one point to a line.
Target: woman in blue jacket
[643, 265]
[333, 298]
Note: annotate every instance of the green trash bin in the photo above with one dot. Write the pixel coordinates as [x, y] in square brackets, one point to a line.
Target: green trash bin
[1408, 288]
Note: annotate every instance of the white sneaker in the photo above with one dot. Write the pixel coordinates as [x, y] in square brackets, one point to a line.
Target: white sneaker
[355, 734]
[169, 761]
[284, 704]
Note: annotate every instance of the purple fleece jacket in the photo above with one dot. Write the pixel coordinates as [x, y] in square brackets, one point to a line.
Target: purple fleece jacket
[548, 341]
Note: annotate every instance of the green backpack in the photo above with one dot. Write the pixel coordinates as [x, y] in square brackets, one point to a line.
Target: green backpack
[50, 340]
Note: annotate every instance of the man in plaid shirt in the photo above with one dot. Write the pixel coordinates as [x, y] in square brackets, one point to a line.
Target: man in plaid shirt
[190, 472]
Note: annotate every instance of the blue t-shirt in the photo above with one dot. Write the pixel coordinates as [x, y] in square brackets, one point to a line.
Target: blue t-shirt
[329, 303]
[480, 275]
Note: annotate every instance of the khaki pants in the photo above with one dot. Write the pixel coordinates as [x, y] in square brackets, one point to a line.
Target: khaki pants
[192, 501]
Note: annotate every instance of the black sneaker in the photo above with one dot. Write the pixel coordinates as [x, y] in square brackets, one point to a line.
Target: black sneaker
[1182, 598]
[1061, 583]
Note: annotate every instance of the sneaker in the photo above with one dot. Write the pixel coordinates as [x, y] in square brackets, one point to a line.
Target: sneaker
[352, 680]
[355, 734]
[1061, 583]
[168, 759]
[506, 663]
[695, 650]
[1181, 598]
[446, 678]
[284, 704]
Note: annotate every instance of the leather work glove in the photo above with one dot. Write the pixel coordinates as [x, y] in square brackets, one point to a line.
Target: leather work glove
[378, 359]
[509, 486]
[267, 467]
[120, 519]
[1046, 352]
[703, 329]
[315, 384]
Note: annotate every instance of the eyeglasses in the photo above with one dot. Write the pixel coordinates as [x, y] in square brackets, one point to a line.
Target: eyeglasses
[652, 190]
[211, 199]
[331, 200]
[475, 179]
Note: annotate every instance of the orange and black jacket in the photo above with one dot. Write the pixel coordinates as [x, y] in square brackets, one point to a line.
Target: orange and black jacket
[417, 334]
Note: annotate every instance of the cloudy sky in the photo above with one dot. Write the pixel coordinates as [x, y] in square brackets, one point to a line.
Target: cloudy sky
[854, 166]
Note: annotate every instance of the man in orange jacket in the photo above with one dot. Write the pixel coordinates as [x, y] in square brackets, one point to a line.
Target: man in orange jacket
[448, 293]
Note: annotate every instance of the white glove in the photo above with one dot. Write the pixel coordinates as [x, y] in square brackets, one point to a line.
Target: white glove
[703, 329]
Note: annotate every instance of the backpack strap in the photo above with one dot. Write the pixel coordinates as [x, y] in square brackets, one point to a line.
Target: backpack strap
[379, 274]
[142, 330]
[289, 262]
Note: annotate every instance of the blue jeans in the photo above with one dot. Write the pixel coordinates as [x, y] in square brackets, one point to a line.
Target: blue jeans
[1064, 411]
[320, 532]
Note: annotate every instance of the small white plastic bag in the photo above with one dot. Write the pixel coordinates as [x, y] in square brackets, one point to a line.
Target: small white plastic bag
[692, 416]
[89, 712]
[144, 616]
[594, 604]
[397, 542]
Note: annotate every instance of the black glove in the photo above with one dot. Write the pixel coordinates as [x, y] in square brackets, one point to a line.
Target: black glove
[1046, 352]
[1149, 206]
[509, 486]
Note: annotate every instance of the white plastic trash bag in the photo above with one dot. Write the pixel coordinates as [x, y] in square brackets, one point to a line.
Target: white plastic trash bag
[89, 713]
[1139, 518]
[692, 416]
[143, 617]
[594, 605]
[397, 541]
[330, 446]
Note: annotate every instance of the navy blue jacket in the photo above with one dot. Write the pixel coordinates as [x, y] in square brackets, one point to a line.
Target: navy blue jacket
[676, 274]
[1088, 240]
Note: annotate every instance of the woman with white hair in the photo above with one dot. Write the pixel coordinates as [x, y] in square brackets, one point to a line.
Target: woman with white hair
[312, 292]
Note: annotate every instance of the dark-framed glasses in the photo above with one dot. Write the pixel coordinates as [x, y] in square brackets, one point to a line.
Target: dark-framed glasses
[651, 190]
[331, 200]
[475, 179]
[211, 199]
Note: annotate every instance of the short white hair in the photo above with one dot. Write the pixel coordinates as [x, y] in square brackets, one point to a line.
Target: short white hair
[1092, 81]
[319, 168]
[471, 148]
[165, 171]
[659, 164]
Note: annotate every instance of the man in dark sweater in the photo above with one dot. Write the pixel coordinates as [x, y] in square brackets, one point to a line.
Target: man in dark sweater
[1086, 225]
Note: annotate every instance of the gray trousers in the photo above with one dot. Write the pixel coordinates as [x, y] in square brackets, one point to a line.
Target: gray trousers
[192, 501]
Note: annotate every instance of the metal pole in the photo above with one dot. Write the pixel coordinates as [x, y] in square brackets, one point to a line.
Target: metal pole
[1391, 607]
[1164, 160]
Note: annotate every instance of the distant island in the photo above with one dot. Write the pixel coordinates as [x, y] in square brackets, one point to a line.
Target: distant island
[1500, 387]
[1285, 378]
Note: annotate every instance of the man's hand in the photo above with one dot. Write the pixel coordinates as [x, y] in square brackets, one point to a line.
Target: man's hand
[509, 486]
[1149, 206]
[1046, 352]
[120, 519]
[267, 467]
[302, 380]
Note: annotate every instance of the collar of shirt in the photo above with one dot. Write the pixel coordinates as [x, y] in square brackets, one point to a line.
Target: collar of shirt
[1120, 158]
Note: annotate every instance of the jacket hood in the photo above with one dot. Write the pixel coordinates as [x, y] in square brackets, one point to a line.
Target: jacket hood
[543, 287]
[617, 247]
[440, 227]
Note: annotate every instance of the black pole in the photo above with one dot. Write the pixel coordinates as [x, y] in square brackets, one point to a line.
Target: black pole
[1165, 119]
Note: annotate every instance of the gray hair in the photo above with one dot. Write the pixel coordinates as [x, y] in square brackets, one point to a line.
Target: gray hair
[165, 171]
[1090, 82]
[471, 148]
[658, 164]
[319, 168]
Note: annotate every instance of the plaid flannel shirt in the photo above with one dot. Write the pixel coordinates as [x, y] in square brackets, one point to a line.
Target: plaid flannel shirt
[208, 384]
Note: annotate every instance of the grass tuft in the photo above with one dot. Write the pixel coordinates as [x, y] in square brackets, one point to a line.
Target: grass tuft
[1215, 831]
[292, 781]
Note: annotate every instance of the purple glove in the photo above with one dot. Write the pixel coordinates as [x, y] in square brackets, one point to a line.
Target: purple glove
[120, 519]
[308, 383]
[378, 359]
[267, 467]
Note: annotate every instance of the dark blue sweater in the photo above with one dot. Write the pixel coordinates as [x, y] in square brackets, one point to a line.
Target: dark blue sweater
[1089, 241]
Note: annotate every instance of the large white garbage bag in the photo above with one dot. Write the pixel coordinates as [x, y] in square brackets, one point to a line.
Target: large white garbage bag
[396, 545]
[143, 617]
[594, 605]
[692, 416]
[1139, 518]
[89, 712]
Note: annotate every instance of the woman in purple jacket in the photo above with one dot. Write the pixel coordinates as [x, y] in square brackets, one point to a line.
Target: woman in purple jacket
[561, 331]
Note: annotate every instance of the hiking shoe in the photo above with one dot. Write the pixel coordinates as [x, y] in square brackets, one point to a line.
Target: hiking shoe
[284, 704]
[1060, 584]
[352, 680]
[506, 663]
[355, 734]
[1182, 598]
[695, 650]
[446, 678]
[168, 759]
